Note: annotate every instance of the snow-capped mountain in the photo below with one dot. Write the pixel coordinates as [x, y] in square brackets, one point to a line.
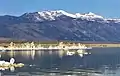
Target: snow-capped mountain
[52, 15]
[60, 25]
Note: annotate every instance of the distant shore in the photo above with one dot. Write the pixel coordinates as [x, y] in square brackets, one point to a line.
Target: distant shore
[7, 43]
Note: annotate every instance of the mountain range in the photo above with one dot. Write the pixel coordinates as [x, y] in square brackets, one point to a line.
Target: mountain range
[60, 25]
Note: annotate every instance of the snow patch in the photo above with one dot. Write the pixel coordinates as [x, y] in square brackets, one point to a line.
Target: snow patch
[52, 15]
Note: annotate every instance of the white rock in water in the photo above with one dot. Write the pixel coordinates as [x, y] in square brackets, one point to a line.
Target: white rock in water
[12, 60]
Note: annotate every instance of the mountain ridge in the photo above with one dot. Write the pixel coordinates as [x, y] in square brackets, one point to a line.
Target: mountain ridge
[57, 13]
[60, 25]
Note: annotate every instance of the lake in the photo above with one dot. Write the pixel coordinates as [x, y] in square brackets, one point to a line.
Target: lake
[93, 62]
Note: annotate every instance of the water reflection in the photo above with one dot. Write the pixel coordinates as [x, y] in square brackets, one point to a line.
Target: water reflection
[95, 62]
[32, 53]
[12, 69]
[81, 52]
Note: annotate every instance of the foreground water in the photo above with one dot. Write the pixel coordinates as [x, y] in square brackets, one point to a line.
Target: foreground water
[94, 62]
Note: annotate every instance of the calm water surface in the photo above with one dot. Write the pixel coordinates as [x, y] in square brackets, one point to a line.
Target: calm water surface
[94, 62]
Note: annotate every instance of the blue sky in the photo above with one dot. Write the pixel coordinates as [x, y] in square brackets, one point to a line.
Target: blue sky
[106, 8]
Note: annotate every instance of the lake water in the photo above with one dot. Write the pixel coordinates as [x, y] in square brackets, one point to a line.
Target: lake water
[94, 62]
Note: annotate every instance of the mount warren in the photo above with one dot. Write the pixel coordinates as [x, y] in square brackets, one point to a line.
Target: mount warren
[60, 25]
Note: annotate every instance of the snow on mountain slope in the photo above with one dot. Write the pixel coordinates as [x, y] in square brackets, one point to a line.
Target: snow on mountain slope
[52, 15]
[57, 13]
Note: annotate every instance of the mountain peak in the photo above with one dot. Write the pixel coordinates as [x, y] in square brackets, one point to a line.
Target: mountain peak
[93, 15]
[90, 13]
[61, 12]
[53, 14]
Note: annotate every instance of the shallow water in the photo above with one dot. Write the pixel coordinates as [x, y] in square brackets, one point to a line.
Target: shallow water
[94, 62]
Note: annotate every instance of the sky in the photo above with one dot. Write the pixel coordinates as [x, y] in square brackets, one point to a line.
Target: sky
[106, 8]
